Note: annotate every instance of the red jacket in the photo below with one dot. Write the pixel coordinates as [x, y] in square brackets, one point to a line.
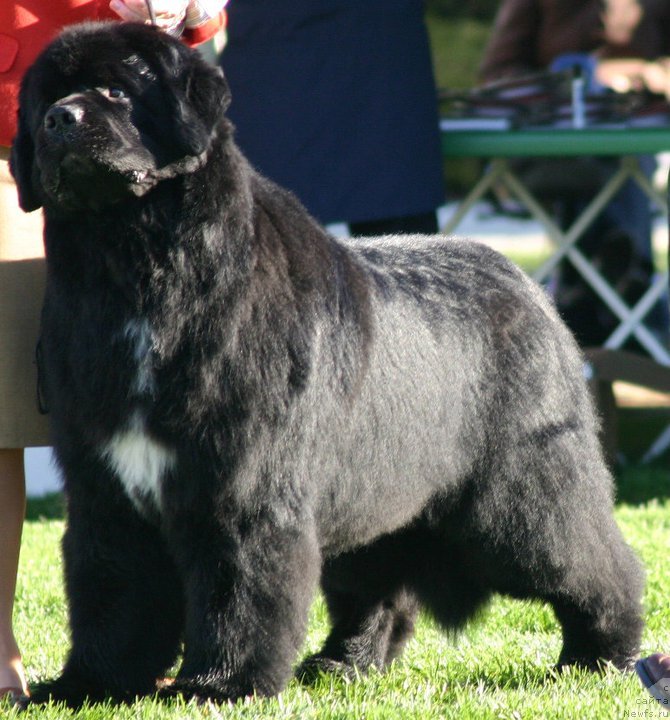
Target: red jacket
[24, 32]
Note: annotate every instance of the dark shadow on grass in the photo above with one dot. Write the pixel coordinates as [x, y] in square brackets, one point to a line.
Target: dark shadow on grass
[638, 485]
[48, 507]
[529, 677]
[638, 428]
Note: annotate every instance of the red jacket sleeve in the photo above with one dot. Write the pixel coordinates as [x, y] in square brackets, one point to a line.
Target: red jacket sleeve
[25, 28]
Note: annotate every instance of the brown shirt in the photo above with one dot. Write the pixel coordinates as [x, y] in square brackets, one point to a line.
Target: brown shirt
[528, 34]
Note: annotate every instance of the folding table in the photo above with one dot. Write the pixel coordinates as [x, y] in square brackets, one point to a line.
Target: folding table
[625, 143]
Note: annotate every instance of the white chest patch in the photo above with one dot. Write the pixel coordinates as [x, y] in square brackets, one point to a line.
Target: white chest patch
[140, 462]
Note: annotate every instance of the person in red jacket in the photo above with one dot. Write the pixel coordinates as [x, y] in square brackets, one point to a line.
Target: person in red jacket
[24, 30]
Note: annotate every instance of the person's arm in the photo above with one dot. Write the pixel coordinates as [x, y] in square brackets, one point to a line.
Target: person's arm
[204, 18]
[622, 20]
[511, 47]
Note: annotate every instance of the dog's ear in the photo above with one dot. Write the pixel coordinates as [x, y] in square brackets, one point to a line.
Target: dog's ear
[200, 97]
[22, 166]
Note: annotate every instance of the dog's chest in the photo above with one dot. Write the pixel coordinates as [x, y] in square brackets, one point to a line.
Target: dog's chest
[139, 461]
[139, 338]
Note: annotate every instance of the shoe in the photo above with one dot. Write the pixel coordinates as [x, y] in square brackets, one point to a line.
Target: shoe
[654, 672]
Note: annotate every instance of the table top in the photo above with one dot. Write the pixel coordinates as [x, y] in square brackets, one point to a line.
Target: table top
[539, 142]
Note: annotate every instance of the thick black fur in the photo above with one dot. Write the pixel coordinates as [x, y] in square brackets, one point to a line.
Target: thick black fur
[244, 408]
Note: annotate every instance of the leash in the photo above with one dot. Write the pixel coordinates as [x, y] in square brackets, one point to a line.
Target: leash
[175, 30]
[150, 8]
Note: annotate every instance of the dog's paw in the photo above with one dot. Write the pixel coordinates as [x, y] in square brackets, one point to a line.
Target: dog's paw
[14, 699]
[309, 671]
[63, 690]
[201, 690]
[74, 692]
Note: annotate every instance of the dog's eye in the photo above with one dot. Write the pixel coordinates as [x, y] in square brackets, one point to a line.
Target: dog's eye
[112, 92]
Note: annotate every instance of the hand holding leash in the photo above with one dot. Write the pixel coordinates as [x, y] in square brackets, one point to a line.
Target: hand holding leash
[168, 15]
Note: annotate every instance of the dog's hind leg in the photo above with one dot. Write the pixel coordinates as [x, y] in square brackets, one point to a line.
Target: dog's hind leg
[597, 629]
[547, 532]
[125, 598]
[366, 633]
[596, 599]
[596, 596]
[371, 603]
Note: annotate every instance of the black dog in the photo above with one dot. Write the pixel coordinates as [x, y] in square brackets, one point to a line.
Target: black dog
[244, 407]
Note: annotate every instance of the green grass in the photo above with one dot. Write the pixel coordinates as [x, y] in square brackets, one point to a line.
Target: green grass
[499, 668]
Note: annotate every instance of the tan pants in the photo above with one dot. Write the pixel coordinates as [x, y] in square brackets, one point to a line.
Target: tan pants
[22, 275]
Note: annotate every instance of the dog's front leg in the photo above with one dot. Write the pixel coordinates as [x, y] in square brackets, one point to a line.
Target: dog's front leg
[249, 586]
[125, 598]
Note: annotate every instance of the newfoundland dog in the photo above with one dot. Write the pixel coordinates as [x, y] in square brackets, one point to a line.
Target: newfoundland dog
[244, 408]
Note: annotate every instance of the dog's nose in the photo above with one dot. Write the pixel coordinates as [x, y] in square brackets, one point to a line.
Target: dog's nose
[60, 118]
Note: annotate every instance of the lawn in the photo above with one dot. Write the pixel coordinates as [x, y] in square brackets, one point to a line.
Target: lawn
[499, 668]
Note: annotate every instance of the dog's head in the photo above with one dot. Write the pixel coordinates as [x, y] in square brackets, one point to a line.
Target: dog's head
[109, 109]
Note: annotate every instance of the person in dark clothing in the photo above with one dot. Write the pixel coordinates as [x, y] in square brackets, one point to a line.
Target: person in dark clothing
[528, 35]
[335, 100]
